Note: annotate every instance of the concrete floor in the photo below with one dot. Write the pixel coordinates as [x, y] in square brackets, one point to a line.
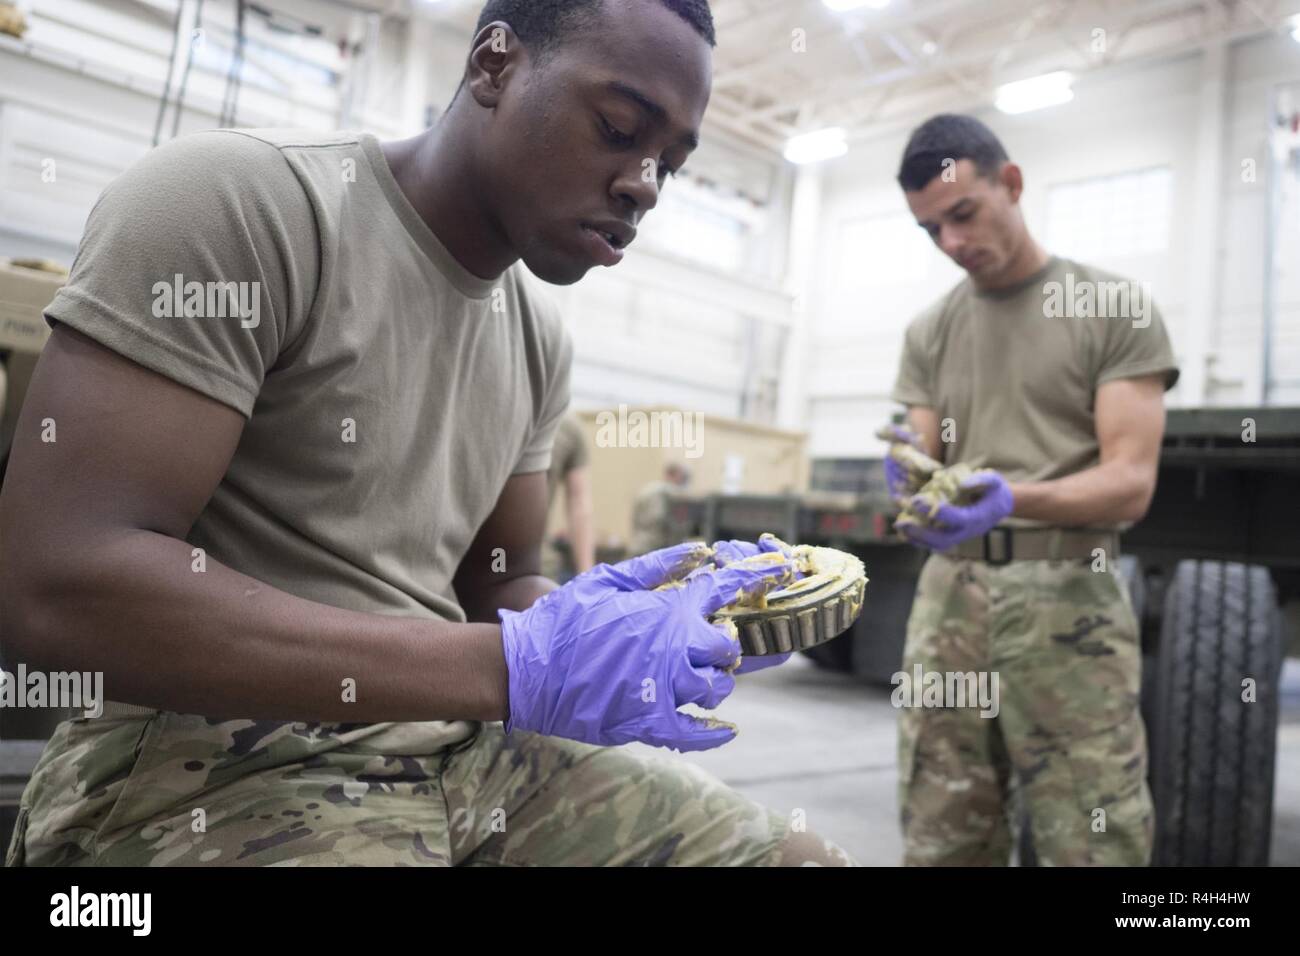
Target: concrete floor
[825, 744]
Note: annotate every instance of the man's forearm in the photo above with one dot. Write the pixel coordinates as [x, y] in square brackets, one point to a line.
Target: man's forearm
[1107, 494]
[582, 535]
[222, 644]
[515, 594]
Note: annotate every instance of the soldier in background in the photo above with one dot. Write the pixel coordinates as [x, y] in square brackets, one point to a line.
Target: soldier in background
[575, 544]
[651, 510]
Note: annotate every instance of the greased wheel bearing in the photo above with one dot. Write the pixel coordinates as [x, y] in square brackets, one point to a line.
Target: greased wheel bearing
[813, 610]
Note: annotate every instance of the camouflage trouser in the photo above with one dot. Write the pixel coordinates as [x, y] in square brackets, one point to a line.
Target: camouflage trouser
[1068, 738]
[184, 790]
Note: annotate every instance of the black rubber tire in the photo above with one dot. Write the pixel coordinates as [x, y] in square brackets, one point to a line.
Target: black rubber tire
[1213, 754]
[881, 632]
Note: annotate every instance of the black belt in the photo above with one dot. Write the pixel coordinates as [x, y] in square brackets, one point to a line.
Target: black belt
[1004, 545]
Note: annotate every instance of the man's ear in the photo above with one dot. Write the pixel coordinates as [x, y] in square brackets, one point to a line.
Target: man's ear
[492, 61]
[1013, 179]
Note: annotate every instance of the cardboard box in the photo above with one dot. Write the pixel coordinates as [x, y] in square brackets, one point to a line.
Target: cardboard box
[729, 456]
[24, 294]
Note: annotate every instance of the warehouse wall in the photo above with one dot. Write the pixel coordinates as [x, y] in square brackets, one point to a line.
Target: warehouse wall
[874, 274]
[1258, 68]
[79, 98]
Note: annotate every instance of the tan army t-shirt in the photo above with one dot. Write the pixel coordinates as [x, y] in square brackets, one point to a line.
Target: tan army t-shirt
[650, 513]
[389, 392]
[1015, 372]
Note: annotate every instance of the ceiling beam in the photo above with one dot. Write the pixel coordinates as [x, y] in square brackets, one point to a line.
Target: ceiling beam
[906, 111]
[833, 26]
[844, 90]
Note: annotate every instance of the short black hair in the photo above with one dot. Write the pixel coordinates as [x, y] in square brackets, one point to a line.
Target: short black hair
[951, 136]
[542, 24]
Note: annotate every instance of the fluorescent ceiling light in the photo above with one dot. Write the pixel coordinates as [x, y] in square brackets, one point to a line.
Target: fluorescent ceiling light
[1035, 93]
[815, 147]
[840, 6]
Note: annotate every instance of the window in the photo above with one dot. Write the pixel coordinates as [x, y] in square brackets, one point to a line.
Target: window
[698, 223]
[883, 250]
[1109, 216]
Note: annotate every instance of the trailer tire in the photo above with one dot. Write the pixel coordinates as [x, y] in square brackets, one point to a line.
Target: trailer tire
[1212, 752]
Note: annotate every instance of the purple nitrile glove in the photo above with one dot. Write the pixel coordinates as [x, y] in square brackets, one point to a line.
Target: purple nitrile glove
[957, 522]
[750, 664]
[727, 552]
[607, 660]
[896, 476]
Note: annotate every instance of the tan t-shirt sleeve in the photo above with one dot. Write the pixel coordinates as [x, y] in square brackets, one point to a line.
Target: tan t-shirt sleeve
[537, 452]
[914, 385]
[221, 217]
[1133, 349]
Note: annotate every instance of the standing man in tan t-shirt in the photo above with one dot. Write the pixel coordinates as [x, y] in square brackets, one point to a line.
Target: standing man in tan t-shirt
[1051, 374]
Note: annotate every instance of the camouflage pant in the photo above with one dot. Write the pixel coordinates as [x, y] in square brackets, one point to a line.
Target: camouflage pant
[1068, 737]
[183, 790]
